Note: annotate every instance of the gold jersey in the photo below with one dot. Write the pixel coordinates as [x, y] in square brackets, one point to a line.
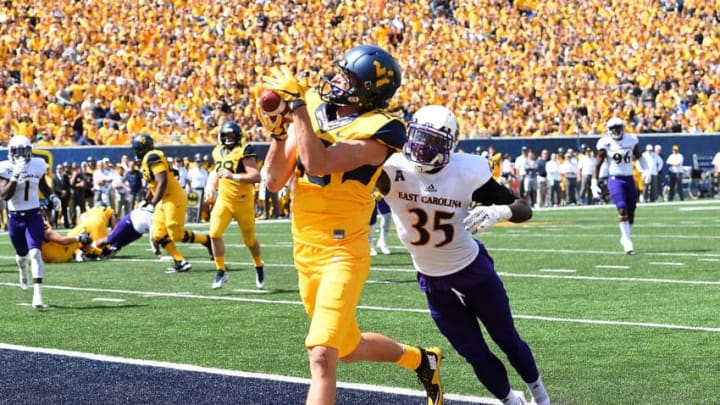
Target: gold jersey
[53, 252]
[337, 207]
[95, 221]
[154, 162]
[231, 159]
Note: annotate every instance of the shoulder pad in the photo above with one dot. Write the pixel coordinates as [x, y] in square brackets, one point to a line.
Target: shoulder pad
[152, 158]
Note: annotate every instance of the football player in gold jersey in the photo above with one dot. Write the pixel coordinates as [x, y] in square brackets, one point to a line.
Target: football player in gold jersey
[168, 202]
[235, 173]
[57, 248]
[338, 141]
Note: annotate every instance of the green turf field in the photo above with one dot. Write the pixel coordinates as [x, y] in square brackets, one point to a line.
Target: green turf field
[606, 328]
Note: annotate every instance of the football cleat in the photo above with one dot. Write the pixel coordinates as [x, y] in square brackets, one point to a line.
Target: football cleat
[627, 245]
[208, 246]
[109, 251]
[23, 277]
[180, 267]
[428, 374]
[260, 277]
[373, 252]
[220, 279]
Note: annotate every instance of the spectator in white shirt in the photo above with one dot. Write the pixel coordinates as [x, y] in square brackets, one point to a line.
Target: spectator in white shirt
[552, 167]
[659, 164]
[520, 170]
[197, 177]
[647, 164]
[102, 182]
[570, 169]
[675, 172]
[586, 166]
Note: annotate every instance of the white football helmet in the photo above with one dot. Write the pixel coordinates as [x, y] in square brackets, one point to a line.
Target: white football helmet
[19, 147]
[616, 128]
[432, 134]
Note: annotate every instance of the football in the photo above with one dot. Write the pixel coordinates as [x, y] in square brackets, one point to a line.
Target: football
[272, 104]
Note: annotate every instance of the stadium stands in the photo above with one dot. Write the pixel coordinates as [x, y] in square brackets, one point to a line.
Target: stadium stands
[79, 73]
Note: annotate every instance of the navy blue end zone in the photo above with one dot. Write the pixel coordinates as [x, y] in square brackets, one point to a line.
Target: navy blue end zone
[30, 377]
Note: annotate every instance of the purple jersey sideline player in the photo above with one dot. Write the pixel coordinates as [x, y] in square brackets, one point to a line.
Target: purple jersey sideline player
[621, 150]
[22, 179]
[429, 190]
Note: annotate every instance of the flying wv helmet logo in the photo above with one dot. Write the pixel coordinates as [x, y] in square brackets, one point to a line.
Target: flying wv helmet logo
[384, 76]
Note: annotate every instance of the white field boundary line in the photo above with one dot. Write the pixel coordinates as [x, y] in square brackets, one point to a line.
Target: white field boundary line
[601, 252]
[605, 278]
[147, 294]
[234, 373]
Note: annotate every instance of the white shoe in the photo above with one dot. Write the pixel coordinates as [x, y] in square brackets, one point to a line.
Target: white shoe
[627, 245]
[23, 278]
[37, 301]
[220, 279]
[373, 252]
[384, 249]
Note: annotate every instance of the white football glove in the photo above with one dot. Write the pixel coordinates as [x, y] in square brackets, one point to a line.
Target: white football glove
[483, 217]
[147, 207]
[18, 168]
[596, 191]
[54, 202]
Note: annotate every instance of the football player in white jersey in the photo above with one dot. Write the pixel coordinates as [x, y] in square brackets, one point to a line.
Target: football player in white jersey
[22, 178]
[429, 190]
[620, 150]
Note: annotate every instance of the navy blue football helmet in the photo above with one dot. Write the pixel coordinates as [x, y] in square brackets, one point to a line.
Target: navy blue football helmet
[141, 145]
[230, 134]
[377, 77]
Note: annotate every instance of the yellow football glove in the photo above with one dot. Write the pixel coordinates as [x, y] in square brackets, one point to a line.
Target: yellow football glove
[377, 195]
[273, 124]
[283, 82]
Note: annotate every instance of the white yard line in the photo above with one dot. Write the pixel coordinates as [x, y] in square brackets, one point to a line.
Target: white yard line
[148, 294]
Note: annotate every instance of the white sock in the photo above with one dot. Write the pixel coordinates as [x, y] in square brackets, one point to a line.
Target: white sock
[625, 229]
[37, 288]
[37, 267]
[385, 221]
[21, 261]
[537, 390]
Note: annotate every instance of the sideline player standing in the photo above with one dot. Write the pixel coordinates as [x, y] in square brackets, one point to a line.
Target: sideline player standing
[22, 178]
[429, 190]
[620, 150]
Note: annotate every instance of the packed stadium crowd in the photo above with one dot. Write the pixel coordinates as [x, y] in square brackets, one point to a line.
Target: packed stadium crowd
[79, 73]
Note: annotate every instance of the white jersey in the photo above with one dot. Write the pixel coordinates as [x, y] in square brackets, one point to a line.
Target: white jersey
[27, 191]
[428, 210]
[619, 154]
[141, 220]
